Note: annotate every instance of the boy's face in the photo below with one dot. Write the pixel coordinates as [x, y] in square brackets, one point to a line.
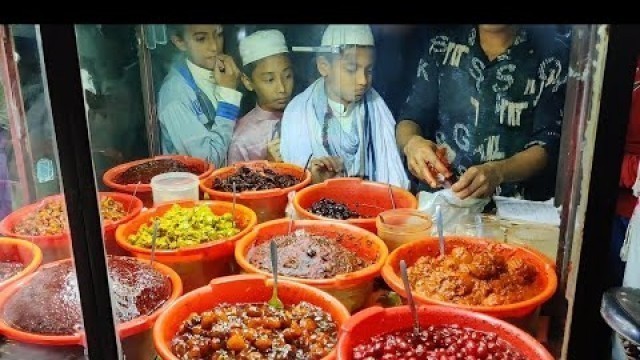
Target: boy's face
[201, 43]
[348, 76]
[272, 80]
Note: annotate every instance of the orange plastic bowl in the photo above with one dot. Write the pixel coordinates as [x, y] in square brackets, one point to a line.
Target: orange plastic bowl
[376, 320]
[546, 281]
[29, 254]
[58, 247]
[196, 265]
[268, 204]
[127, 329]
[239, 289]
[365, 197]
[144, 190]
[351, 288]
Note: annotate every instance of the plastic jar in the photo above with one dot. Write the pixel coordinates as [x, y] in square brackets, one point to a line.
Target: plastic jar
[174, 186]
[401, 226]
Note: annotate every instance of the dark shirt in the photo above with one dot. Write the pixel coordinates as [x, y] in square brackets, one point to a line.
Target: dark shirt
[483, 110]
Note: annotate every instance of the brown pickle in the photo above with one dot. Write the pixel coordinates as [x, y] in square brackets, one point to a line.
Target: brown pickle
[333, 209]
[474, 278]
[308, 256]
[144, 172]
[247, 179]
[48, 219]
[256, 331]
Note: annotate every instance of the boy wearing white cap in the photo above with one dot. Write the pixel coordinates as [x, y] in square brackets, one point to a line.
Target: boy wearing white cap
[268, 72]
[340, 120]
[198, 102]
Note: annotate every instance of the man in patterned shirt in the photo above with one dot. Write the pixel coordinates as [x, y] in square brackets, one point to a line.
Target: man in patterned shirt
[493, 99]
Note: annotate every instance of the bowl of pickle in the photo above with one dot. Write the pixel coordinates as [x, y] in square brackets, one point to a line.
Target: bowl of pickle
[195, 238]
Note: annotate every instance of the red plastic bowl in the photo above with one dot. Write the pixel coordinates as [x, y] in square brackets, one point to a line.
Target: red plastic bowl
[376, 320]
[239, 289]
[22, 251]
[58, 247]
[268, 204]
[366, 197]
[144, 190]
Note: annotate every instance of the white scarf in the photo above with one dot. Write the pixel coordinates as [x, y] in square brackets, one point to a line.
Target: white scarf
[302, 136]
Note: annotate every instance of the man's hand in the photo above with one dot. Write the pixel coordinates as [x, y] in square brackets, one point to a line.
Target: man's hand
[478, 181]
[325, 168]
[420, 154]
[273, 150]
[225, 72]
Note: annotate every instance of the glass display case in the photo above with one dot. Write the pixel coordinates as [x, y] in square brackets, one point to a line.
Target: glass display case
[180, 157]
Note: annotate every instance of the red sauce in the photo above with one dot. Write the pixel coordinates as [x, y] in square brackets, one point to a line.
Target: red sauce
[50, 303]
[437, 342]
[307, 256]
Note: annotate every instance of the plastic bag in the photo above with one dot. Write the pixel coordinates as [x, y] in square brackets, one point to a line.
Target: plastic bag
[454, 210]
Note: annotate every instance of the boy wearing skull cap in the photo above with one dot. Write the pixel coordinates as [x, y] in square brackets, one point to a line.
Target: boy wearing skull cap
[340, 120]
[267, 71]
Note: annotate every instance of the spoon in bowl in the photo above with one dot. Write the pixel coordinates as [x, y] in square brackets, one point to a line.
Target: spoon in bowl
[275, 302]
[135, 190]
[440, 225]
[412, 304]
[233, 207]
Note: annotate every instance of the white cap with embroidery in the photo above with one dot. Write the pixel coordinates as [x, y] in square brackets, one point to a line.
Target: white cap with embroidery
[338, 35]
[261, 44]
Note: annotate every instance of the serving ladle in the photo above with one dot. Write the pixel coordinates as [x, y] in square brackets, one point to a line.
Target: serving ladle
[412, 304]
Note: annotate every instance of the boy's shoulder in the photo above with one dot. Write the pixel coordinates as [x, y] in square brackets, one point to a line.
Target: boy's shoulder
[174, 88]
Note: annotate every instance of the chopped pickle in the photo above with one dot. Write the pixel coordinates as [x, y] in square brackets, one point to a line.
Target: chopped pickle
[182, 227]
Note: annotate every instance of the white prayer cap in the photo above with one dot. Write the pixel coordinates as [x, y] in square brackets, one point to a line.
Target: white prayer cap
[337, 35]
[261, 44]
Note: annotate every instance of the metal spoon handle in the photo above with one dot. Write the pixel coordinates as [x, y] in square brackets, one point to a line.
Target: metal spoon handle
[479, 226]
[440, 225]
[274, 262]
[290, 223]
[393, 201]
[135, 190]
[233, 207]
[412, 304]
[306, 165]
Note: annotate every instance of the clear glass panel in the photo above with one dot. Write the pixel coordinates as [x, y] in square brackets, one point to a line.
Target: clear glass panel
[39, 299]
[367, 102]
[110, 70]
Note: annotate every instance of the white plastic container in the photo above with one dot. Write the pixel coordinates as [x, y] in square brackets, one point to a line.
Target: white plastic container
[174, 186]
